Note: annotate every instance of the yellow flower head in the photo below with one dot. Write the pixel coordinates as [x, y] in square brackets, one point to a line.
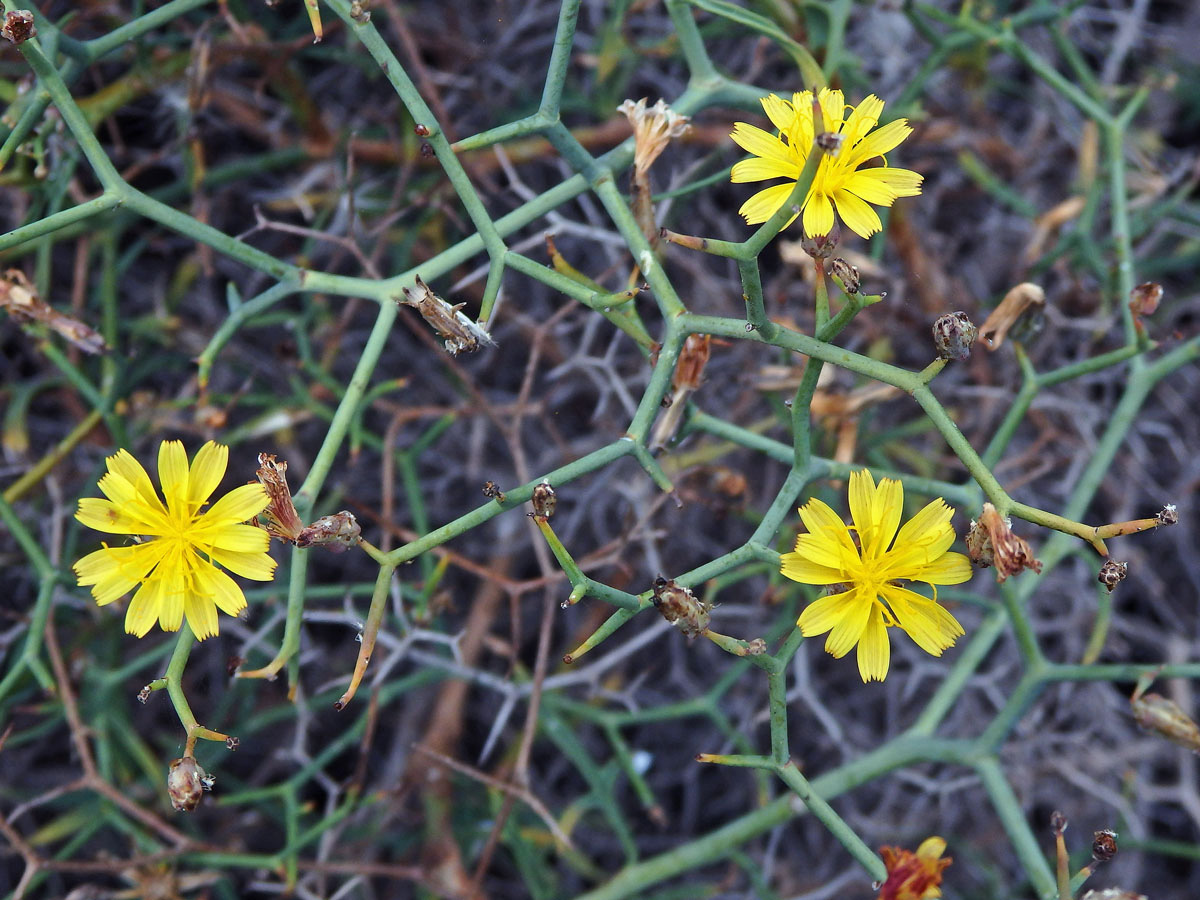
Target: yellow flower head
[914, 876]
[839, 180]
[175, 565]
[869, 570]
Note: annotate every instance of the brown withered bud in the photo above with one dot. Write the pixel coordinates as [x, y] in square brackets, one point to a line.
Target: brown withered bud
[18, 26]
[544, 500]
[458, 331]
[186, 783]
[1159, 714]
[1058, 822]
[358, 12]
[847, 273]
[689, 371]
[681, 607]
[1023, 303]
[653, 128]
[822, 246]
[233, 663]
[144, 695]
[336, 533]
[991, 542]
[421, 130]
[1144, 299]
[830, 142]
[427, 151]
[953, 335]
[490, 490]
[232, 742]
[282, 520]
[1112, 573]
[1104, 845]
[1168, 515]
[756, 647]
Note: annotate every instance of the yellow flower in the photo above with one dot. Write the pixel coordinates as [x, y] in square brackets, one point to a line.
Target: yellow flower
[914, 876]
[176, 565]
[872, 600]
[839, 180]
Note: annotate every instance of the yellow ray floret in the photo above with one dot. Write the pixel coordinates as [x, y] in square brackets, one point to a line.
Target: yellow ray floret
[175, 562]
[869, 572]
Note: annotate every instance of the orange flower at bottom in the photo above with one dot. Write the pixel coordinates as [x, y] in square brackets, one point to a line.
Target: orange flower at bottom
[914, 876]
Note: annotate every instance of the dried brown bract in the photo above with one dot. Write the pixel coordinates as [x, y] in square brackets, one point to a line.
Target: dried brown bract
[653, 129]
[1144, 299]
[456, 329]
[1026, 299]
[681, 607]
[18, 26]
[953, 335]
[336, 533]
[1104, 845]
[846, 273]
[187, 782]
[1112, 573]
[283, 521]
[991, 542]
[20, 300]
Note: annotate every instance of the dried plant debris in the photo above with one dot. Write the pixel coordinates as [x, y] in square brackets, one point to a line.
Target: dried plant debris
[20, 300]
[457, 330]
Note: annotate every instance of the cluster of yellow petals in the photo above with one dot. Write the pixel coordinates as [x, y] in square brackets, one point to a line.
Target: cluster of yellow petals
[176, 548]
[871, 599]
[841, 180]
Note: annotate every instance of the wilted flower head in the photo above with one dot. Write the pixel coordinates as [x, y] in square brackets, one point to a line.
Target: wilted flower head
[991, 542]
[843, 179]
[872, 568]
[176, 562]
[653, 129]
[186, 783]
[914, 876]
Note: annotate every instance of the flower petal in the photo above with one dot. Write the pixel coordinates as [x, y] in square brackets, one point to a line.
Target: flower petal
[826, 613]
[765, 203]
[932, 627]
[255, 566]
[243, 538]
[833, 109]
[857, 214]
[114, 571]
[208, 468]
[123, 464]
[798, 567]
[238, 505]
[874, 649]
[222, 589]
[885, 181]
[754, 140]
[876, 511]
[847, 632]
[879, 141]
[143, 608]
[949, 568]
[104, 515]
[818, 215]
[781, 113]
[173, 476]
[757, 169]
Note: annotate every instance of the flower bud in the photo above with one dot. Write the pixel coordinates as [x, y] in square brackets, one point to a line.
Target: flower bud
[186, 783]
[1104, 845]
[953, 335]
[337, 532]
[1144, 299]
[822, 246]
[1058, 822]
[1112, 573]
[18, 26]
[544, 500]
[680, 606]
[1156, 713]
[847, 273]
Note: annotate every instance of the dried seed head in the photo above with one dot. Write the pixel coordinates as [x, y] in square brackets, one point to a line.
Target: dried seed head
[991, 542]
[283, 521]
[1024, 302]
[187, 782]
[1104, 845]
[338, 532]
[1058, 822]
[1144, 299]
[1168, 515]
[544, 500]
[1112, 573]
[953, 335]
[680, 606]
[653, 129]
[847, 273]
[18, 26]
[692, 360]
[822, 246]
[1156, 713]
